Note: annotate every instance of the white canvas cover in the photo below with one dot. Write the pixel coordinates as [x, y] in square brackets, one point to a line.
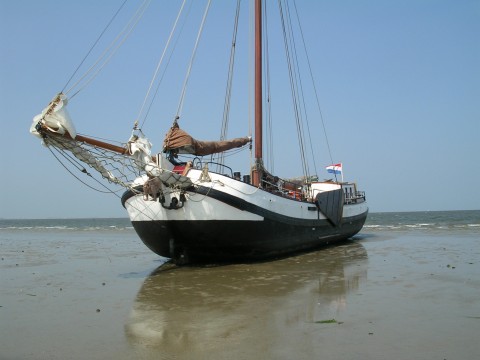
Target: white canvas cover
[55, 117]
[140, 150]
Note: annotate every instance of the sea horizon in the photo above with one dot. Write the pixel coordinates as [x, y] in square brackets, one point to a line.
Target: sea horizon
[403, 221]
[126, 216]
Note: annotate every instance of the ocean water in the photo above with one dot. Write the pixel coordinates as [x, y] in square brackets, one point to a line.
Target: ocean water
[425, 221]
[66, 225]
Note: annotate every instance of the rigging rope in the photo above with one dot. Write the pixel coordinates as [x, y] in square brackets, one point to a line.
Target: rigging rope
[313, 83]
[114, 167]
[228, 92]
[251, 96]
[82, 169]
[93, 46]
[110, 50]
[299, 86]
[165, 68]
[268, 97]
[184, 88]
[160, 63]
[57, 145]
[293, 86]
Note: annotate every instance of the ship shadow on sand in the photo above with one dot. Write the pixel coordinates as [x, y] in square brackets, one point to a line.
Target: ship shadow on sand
[185, 310]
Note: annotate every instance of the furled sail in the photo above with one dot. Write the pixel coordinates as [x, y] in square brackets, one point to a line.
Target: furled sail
[181, 142]
[55, 118]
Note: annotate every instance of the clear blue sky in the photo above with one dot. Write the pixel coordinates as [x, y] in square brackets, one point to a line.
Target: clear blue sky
[399, 86]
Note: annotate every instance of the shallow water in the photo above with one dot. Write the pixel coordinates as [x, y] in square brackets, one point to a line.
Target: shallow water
[94, 291]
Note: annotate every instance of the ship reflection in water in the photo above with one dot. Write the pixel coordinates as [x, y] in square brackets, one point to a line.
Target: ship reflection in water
[247, 309]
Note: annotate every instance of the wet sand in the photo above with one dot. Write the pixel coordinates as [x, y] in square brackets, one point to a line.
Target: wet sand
[105, 296]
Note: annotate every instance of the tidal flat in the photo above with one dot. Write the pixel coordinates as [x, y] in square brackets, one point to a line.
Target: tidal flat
[102, 295]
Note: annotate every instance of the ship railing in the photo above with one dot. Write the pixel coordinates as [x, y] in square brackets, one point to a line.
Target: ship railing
[284, 188]
[357, 197]
[219, 168]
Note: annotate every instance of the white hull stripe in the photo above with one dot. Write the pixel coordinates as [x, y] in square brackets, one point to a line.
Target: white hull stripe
[244, 205]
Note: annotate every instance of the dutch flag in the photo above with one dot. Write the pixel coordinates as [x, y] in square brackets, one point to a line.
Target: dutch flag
[334, 169]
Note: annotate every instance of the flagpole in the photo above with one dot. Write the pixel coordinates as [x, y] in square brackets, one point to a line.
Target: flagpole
[335, 169]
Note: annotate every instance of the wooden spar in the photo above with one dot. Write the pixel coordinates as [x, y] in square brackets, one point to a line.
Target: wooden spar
[257, 170]
[90, 141]
[107, 146]
[101, 144]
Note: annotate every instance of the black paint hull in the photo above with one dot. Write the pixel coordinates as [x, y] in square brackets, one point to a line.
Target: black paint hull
[218, 241]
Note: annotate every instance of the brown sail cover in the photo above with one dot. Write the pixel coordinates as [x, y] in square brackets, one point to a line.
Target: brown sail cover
[181, 142]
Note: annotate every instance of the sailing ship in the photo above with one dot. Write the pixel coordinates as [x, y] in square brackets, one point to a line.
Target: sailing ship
[186, 204]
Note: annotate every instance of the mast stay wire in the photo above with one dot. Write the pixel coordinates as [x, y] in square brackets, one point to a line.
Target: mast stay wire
[82, 169]
[300, 87]
[172, 32]
[228, 90]
[157, 88]
[268, 95]
[79, 167]
[293, 84]
[187, 76]
[94, 44]
[110, 50]
[313, 82]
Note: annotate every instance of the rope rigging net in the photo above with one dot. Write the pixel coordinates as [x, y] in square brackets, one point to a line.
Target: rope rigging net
[116, 168]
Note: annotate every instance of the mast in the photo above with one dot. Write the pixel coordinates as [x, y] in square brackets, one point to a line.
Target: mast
[258, 167]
